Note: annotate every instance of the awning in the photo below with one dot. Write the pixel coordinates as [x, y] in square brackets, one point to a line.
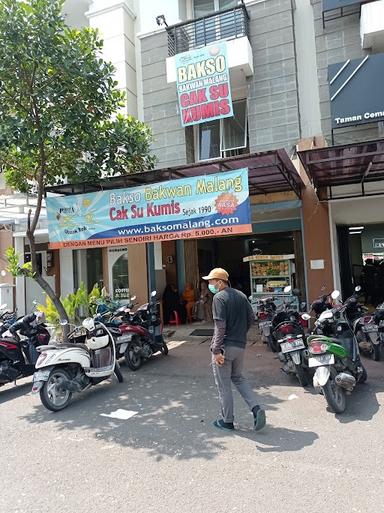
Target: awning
[357, 163]
[269, 171]
[14, 208]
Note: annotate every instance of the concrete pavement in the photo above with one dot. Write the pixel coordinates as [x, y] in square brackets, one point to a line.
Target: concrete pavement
[169, 458]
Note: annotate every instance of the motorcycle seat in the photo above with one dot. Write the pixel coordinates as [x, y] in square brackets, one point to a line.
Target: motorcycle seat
[50, 347]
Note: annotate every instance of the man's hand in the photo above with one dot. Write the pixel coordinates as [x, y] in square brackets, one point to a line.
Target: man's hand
[219, 358]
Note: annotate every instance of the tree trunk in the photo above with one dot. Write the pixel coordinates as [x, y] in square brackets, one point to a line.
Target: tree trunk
[64, 321]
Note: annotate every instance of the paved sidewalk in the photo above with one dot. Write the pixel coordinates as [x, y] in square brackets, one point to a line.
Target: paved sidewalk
[169, 458]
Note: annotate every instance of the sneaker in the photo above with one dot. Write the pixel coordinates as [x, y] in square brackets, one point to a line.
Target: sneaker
[220, 424]
[259, 419]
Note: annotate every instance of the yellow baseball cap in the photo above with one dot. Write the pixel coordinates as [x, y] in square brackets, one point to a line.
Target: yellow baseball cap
[217, 274]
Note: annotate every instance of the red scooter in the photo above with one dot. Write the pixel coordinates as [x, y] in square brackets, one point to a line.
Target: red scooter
[141, 334]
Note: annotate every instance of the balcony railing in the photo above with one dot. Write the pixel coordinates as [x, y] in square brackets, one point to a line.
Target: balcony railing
[228, 24]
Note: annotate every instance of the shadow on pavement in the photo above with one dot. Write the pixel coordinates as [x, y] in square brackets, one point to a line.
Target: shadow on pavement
[278, 439]
[176, 402]
[175, 410]
[8, 394]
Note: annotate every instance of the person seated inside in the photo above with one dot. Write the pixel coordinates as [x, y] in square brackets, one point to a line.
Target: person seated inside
[189, 298]
[171, 302]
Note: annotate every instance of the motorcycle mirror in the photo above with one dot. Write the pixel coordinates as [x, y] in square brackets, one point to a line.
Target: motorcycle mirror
[64, 322]
[327, 314]
[89, 324]
[357, 288]
[335, 294]
[153, 293]
[287, 289]
[305, 317]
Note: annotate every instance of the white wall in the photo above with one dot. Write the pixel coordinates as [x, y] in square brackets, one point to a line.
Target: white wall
[74, 12]
[66, 272]
[149, 9]
[115, 20]
[358, 211]
[309, 99]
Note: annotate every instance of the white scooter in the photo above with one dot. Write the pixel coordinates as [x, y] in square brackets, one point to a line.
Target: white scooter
[62, 369]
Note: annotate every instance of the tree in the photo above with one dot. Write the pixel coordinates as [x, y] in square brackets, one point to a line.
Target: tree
[59, 110]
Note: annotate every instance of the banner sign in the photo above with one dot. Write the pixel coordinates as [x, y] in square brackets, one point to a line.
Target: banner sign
[203, 206]
[356, 91]
[203, 87]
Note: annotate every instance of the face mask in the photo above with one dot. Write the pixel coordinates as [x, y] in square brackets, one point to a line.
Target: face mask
[213, 289]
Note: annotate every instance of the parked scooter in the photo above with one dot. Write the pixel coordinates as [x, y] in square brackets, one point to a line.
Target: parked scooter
[321, 304]
[334, 353]
[7, 318]
[18, 347]
[289, 333]
[369, 329]
[266, 309]
[118, 323]
[63, 369]
[145, 333]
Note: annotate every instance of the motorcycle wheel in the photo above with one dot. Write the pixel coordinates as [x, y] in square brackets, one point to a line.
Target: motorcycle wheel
[301, 375]
[118, 374]
[52, 398]
[271, 344]
[334, 395]
[364, 375]
[164, 349]
[132, 357]
[377, 352]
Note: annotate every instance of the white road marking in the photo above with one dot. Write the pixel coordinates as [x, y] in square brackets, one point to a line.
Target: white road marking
[120, 414]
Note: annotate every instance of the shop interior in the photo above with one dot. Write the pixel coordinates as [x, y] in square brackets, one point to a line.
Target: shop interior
[361, 249]
[229, 252]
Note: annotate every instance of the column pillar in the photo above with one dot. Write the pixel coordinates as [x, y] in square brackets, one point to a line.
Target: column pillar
[20, 282]
[66, 272]
[316, 227]
[115, 21]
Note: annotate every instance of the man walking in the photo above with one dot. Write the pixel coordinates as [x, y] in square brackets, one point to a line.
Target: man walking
[233, 316]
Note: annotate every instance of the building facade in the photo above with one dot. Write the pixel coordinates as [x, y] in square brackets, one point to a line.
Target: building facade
[280, 56]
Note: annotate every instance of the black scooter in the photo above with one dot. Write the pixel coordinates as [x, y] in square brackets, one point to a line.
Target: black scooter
[18, 356]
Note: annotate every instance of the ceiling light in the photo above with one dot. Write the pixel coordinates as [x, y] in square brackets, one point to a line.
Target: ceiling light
[356, 228]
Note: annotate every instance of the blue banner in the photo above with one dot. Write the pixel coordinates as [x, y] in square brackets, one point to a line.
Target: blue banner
[203, 206]
[203, 86]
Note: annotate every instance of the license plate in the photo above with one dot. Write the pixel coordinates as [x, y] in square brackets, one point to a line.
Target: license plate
[124, 338]
[287, 347]
[323, 359]
[370, 328]
[41, 375]
[265, 323]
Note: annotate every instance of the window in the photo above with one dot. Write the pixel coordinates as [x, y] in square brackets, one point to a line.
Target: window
[120, 285]
[205, 7]
[223, 137]
[218, 27]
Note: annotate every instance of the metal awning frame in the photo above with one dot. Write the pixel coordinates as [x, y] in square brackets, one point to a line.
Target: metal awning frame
[356, 168]
[268, 172]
